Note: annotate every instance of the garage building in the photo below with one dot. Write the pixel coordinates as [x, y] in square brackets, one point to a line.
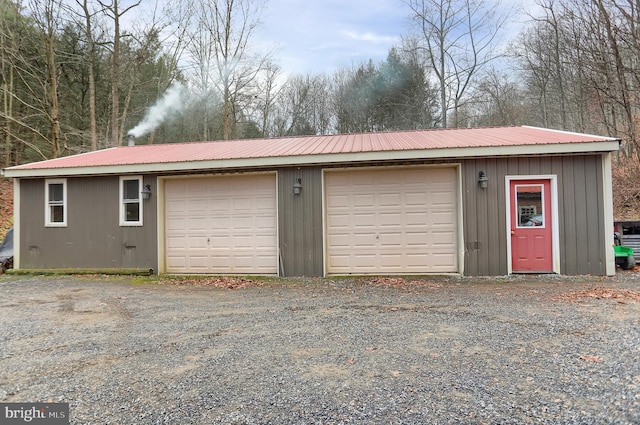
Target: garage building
[482, 201]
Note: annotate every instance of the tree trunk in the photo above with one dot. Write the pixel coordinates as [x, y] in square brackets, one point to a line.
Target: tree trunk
[6, 83]
[619, 68]
[7, 103]
[54, 113]
[115, 76]
[92, 84]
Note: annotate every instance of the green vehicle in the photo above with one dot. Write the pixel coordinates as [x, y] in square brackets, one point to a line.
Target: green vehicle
[624, 254]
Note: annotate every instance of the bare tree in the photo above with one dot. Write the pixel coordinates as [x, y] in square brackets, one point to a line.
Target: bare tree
[581, 59]
[295, 112]
[8, 49]
[115, 13]
[89, 15]
[460, 37]
[613, 33]
[267, 94]
[46, 17]
[27, 112]
[500, 100]
[219, 37]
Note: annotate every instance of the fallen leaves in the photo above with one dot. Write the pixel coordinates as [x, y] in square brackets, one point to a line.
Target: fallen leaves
[599, 293]
[223, 282]
[6, 206]
[401, 281]
[593, 359]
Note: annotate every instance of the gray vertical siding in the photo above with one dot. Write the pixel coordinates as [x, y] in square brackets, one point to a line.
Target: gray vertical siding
[300, 222]
[580, 211]
[93, 237]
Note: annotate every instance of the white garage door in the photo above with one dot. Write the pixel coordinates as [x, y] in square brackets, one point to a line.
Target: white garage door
[391, 221]
[222, 224]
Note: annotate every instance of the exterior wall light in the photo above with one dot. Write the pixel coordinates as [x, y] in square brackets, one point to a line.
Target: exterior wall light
[483, 180]
[297, 186]
[146, 192]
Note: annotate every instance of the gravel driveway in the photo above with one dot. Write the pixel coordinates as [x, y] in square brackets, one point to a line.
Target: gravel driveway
[319, 351]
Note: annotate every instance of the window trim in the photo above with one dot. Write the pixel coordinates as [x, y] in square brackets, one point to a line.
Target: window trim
[48, 205]
[542, 202]
[122, 203]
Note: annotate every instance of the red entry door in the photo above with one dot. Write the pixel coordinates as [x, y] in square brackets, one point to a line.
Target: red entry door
[531, 232]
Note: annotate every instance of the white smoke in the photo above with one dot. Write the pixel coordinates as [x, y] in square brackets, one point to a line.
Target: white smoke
[170, 103]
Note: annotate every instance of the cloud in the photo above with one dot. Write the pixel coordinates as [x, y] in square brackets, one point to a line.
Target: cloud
[322, 36]
[370, 37]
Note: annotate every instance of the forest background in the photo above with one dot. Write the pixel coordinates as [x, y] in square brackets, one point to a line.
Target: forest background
[81, 75]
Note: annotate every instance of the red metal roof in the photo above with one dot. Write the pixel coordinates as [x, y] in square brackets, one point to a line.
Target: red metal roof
[435, 139]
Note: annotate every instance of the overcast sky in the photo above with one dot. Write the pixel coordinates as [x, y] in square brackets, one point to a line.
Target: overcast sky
[314, 36]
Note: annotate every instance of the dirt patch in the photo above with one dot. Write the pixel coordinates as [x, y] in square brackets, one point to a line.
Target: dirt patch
[600, 293]
[6, 206]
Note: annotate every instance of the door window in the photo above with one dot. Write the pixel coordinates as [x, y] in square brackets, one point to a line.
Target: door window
[530, 205]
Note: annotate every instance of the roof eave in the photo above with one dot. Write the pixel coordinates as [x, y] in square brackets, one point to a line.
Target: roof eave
[351, 157]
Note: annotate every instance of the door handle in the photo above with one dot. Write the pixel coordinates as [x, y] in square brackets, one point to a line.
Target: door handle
[513, 232]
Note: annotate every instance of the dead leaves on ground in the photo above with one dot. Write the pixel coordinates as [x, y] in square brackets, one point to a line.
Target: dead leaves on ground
[620, 295]
[222, 282]
[592, 359]
[6, 206]
[402, 282]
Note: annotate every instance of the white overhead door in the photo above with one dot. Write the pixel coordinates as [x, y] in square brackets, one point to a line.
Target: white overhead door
[391, 221]
[222, 224]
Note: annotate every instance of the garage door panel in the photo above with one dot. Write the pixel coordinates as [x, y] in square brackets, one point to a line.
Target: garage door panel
[219, 206]
[389, 199]
[339, 240]
[363, 240]
[394, 218]
[397, 221]
[176, 261]
[362, 200]
[199, 262]
[361, 219]
[390, 239]
[416, 218]
[442, 218]
[339, 220]
[416, 239]
[338, 200]
[195, 224]
[222, 224]
[264, 223]
[416, 199]
[443, 238]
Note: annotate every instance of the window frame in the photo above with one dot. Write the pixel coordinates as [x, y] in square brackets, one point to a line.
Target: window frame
[123, 202]
[519, 225]
[48, 203]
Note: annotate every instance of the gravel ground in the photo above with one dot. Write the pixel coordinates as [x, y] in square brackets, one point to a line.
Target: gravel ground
[512, 350]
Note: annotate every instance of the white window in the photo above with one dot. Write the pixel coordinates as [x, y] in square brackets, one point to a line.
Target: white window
[131, 201]
[55, 214]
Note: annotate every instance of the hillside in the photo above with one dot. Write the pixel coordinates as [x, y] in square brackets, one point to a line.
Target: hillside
[6, 206]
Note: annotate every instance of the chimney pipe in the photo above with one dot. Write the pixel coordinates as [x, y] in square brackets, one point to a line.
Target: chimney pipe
[132, 140]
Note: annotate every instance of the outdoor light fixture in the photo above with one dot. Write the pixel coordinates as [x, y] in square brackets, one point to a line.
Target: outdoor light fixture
[483, 180]
[297, 186]
[146, 192]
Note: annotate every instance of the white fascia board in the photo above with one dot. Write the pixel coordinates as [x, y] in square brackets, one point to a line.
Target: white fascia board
[572, 132]
[333, 158]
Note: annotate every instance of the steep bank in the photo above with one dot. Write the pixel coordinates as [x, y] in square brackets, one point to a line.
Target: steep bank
[6, 206]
